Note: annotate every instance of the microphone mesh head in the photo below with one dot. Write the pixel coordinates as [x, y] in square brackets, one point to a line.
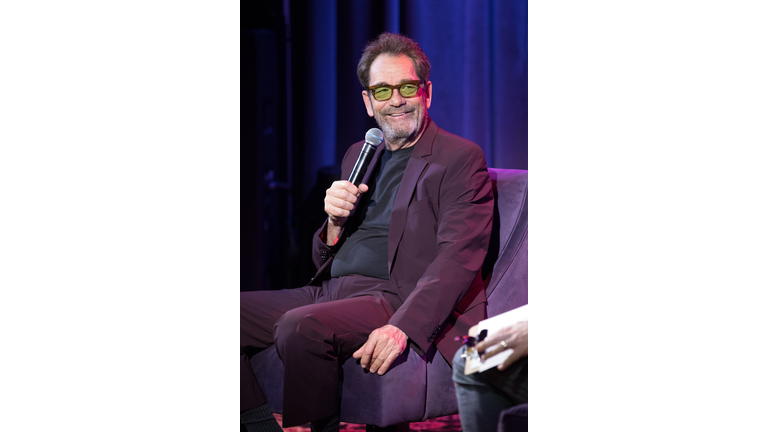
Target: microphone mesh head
[374, 136]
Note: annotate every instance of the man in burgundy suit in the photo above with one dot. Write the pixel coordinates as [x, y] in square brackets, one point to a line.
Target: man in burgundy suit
[399, 257]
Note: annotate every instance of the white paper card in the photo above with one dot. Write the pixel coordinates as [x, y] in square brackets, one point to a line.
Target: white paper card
[492, 325]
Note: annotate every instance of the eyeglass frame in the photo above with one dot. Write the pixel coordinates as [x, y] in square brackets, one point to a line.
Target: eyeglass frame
[395, 87]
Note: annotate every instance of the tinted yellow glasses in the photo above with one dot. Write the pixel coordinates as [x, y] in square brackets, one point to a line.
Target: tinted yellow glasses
[407, 89]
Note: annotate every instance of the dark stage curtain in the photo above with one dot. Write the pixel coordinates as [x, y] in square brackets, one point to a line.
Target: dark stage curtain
[479, 55]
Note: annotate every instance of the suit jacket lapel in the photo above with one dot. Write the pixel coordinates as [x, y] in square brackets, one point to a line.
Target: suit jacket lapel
[417, 163]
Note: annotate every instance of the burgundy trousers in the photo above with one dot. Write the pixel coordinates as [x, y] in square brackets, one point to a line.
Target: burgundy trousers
[314, 329]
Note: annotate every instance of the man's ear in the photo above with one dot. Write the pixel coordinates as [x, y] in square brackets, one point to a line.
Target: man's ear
[428, 92]
[367, 101]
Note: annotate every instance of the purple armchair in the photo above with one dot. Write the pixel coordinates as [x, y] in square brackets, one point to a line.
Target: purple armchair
[417, 388]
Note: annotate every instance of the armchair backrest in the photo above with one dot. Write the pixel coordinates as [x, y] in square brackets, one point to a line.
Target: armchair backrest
[505, 270]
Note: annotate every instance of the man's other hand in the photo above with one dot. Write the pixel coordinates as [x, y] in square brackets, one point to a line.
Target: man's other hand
[382, 348]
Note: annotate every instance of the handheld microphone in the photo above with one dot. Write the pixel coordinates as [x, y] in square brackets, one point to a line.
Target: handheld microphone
[373, 138]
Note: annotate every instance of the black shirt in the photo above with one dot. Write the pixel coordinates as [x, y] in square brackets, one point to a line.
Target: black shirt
[365, 250]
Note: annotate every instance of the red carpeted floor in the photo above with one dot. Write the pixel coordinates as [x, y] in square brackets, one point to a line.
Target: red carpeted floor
[441, 424]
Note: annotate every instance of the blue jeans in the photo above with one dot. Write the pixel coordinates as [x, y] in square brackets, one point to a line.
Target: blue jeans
[482, 396]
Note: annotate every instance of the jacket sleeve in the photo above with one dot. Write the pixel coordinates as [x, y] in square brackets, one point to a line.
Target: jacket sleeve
[464, 212]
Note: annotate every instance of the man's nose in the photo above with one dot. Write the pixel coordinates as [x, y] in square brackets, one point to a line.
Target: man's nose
[396, 99]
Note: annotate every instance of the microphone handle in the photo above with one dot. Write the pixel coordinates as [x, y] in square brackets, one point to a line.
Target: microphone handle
[362, 164]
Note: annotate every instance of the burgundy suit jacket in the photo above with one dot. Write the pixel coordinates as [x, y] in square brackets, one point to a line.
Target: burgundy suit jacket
[439, 234]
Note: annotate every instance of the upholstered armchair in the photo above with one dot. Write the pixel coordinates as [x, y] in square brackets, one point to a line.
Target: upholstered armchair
[417, 388]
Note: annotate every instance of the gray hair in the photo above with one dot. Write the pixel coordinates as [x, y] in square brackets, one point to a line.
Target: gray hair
[394, 45]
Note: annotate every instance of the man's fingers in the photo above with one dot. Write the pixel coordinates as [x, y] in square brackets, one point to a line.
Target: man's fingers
[388, 362]
[379, 354]
[383, 359]
[346, 202]
[340, 199]
[382, 348]
[337, 210]
[342, 193]
[366, 351]
[365, 360]
[343, 189]
[364, 354]
[378, 360]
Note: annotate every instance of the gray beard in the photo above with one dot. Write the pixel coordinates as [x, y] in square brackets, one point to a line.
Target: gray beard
[394, 137]
[398, 137]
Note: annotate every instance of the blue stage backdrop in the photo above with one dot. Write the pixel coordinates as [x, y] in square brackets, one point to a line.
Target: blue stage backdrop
[479, 55]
